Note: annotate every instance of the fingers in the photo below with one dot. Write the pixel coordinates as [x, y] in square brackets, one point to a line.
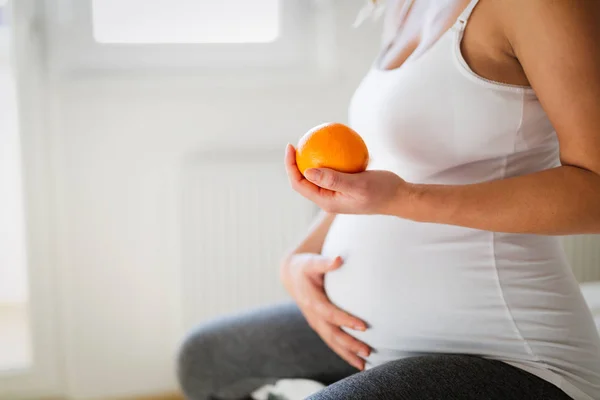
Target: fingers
[329, 179]
[320, 305]
[322, 266]
[317, 302]
[335, 316]
[349, 357]
[298, 182]
[347, 347]
[290, 164]
[351, 344]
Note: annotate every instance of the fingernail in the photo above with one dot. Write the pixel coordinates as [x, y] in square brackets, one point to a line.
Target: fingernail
[360, 328]
[312, 174]
[363, 353]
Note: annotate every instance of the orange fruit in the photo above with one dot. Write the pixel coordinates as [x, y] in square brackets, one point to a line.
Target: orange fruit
[334, 146]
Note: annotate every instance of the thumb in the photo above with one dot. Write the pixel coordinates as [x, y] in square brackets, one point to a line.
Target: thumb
[324, 265]
[329, 179]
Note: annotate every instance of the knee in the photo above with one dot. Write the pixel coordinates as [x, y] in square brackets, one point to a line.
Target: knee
[196, 363]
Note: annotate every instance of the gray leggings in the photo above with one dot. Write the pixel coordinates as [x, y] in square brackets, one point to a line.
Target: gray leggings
[230, 357]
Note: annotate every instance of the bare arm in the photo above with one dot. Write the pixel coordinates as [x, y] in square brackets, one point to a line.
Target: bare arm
[561, 201]
[558, 44]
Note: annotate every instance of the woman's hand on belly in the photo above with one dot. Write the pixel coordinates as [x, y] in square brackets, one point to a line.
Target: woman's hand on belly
[370, 192]
[303, 277]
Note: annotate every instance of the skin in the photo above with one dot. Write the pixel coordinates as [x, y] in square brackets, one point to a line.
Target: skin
[302, 273]
[552, 45]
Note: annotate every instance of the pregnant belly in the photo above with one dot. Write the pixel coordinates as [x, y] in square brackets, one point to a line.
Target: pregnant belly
[430, 288]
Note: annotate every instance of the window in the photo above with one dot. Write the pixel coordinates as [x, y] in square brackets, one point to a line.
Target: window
[3, 29]
[184, 21]
[235, 37]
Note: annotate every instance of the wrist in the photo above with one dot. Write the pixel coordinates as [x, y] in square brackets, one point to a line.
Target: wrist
[407, 201]
[431, 203]
[415, 202]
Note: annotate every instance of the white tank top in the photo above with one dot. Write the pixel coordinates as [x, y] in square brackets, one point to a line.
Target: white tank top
[429, 288]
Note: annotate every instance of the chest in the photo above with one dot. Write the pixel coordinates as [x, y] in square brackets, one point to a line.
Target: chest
[412, 27]
[430, 116]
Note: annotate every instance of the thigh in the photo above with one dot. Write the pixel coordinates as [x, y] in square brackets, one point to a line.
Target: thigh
[230, 357]
[442, 377]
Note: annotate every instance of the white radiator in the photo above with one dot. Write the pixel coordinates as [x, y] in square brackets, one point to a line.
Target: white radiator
[584, 255]
[239, 216]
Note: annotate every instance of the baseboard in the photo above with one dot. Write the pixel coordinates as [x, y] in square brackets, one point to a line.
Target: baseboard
[166, 396]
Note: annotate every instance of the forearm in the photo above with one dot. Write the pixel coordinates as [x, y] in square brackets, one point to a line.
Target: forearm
[314, 239]
[560, 201]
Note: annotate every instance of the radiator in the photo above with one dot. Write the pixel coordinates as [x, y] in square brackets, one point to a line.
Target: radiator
[584, 254]
[239, 216]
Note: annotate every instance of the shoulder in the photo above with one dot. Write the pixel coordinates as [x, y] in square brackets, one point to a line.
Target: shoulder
[549, 8]
[557, 42]
[547, 22]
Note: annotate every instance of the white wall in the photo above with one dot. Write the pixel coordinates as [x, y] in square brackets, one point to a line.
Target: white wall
[114, 158]
[120, 146]
[44, 377]
[13, 279]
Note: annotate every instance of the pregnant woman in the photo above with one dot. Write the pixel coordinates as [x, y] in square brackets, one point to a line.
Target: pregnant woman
[437, 273]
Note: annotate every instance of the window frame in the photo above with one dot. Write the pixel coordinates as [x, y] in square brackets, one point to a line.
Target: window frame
[304, 25]
[248, 15]
[44, 377]
[4, 32]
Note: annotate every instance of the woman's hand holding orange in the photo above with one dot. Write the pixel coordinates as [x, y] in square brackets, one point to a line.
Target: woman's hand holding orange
[369, 192]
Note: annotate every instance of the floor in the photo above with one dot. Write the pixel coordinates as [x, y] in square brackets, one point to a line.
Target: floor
[15, 348]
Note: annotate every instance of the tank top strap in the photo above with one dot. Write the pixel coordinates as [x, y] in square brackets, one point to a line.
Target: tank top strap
[462, 20]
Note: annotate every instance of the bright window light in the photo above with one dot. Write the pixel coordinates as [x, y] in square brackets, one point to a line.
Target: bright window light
[3, 16]
[3, 32]
[185, 21]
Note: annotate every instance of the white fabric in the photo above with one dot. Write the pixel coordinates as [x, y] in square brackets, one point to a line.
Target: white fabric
[591, 293]
[288, 389]
[426, 288]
